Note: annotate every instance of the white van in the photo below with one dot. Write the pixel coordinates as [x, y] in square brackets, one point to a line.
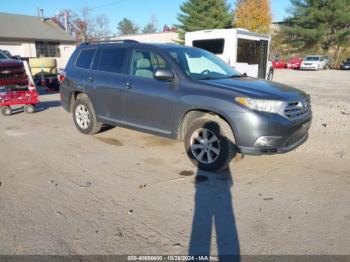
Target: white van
[247, 51]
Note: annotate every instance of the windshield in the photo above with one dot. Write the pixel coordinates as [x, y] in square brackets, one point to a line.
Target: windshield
[3, 56]
[312, 58]
[201, 65]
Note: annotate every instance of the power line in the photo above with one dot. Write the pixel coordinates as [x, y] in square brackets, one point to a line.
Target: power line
[108, 4]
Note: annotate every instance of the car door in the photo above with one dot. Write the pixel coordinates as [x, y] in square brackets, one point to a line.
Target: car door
[148, 103]
[106, 79]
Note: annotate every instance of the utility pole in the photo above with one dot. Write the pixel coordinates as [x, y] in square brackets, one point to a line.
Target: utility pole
[66, 20]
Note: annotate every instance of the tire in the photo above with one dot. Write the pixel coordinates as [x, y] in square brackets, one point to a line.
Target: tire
[84, 116]
[270, 75]
[42, 62]
[6, 111]
[45, 71]
[30, 109]
[201, 153]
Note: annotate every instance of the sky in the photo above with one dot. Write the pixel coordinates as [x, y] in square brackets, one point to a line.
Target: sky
[138, 11]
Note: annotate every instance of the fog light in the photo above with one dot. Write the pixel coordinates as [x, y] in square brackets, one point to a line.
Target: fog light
[266, 141]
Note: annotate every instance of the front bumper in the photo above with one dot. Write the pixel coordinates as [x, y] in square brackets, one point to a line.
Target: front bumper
[309, 67]
[270, 151]
[283, 134]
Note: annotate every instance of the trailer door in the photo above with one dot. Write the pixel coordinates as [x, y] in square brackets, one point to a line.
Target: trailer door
[263, 58]
[252, 57]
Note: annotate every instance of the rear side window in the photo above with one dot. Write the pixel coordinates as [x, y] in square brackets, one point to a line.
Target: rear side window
[112, 59]
[85, 58]
[216, 46]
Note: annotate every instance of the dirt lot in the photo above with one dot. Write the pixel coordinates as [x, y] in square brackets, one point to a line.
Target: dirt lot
[124, 192]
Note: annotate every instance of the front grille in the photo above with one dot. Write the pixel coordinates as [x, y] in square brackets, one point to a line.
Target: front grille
[12, 75]
[298, 108]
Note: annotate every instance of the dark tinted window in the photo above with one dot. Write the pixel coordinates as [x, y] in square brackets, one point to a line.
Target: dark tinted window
[3, 56]
[112, 59]
[248, 51]
[215, 46]
[85, 58]
[48, 49]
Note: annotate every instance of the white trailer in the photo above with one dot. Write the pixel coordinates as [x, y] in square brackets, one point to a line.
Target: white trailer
[247, 51]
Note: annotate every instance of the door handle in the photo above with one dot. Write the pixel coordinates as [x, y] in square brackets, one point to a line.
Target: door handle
[91, 79]
[128, 85]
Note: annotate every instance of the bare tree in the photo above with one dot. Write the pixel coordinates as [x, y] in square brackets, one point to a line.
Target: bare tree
[83, 26]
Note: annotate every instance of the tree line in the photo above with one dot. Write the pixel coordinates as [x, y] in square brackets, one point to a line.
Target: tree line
[311, 24]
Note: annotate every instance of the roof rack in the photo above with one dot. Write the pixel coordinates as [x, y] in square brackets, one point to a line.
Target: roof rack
[111, 41]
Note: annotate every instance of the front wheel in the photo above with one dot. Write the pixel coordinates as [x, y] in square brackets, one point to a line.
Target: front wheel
[84, 116]
[6, 111]
[210, 144]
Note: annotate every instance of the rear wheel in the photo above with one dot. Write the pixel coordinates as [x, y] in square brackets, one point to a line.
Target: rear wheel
[210, 144]
[84, 116]
[6, 111]
[30, 109]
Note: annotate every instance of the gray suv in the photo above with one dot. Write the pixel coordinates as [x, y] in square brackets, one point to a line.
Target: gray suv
[183, 93]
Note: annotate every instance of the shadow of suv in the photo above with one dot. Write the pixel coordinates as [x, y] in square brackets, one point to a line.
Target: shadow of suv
[186, 94]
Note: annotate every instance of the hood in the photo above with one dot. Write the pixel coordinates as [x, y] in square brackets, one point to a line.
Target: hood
[311, 62]
[10, 62]
[258, 88]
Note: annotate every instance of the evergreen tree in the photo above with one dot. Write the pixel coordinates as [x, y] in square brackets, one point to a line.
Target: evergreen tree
[318, 24]
[254, 15]
[151, 27]
[203, 14]
[127, 27]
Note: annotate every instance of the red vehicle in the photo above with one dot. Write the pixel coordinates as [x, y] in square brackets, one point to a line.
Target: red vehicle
[294, 63]
[278, 63]
[15, 88]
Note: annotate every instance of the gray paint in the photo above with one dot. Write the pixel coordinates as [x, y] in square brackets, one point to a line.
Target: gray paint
[159, 107]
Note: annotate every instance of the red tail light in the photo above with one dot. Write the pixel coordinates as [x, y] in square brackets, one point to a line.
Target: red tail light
[62, 76]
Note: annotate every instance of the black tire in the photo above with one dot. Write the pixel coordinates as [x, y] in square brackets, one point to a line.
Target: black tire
[270, 75]
[6, 111]
[30, 109]
[225, 143]
[93, 126]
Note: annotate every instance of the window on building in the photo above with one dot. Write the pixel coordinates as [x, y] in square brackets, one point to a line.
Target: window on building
[216, 46]
[48, 49]
[112, 59]
[85, 58]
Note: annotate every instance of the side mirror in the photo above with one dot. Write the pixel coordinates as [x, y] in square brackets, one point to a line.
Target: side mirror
[163, 75]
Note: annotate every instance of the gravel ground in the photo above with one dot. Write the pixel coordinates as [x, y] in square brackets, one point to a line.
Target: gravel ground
[124, 192]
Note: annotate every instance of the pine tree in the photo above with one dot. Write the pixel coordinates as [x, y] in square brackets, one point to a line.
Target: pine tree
[203, 14]
[318, 24]
[151, 26]
[254, 15]
[127, 27]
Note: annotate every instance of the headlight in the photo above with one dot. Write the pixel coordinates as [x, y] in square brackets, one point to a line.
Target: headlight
[271, 106]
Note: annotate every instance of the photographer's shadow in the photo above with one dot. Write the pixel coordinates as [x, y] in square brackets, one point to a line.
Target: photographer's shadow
[214, 211]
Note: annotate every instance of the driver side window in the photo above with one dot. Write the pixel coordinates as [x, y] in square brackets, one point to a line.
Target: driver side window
[144, 63]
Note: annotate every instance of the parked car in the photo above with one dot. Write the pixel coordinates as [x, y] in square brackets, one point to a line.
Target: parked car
[278, 63]
[314, 62]
[345, 65]
[183, 93]
[294, 63]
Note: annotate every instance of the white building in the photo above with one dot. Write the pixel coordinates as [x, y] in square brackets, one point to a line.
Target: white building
[33, 36]
[165, 37]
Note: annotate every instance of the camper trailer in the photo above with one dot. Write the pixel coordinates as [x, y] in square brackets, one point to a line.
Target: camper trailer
[247, 51]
